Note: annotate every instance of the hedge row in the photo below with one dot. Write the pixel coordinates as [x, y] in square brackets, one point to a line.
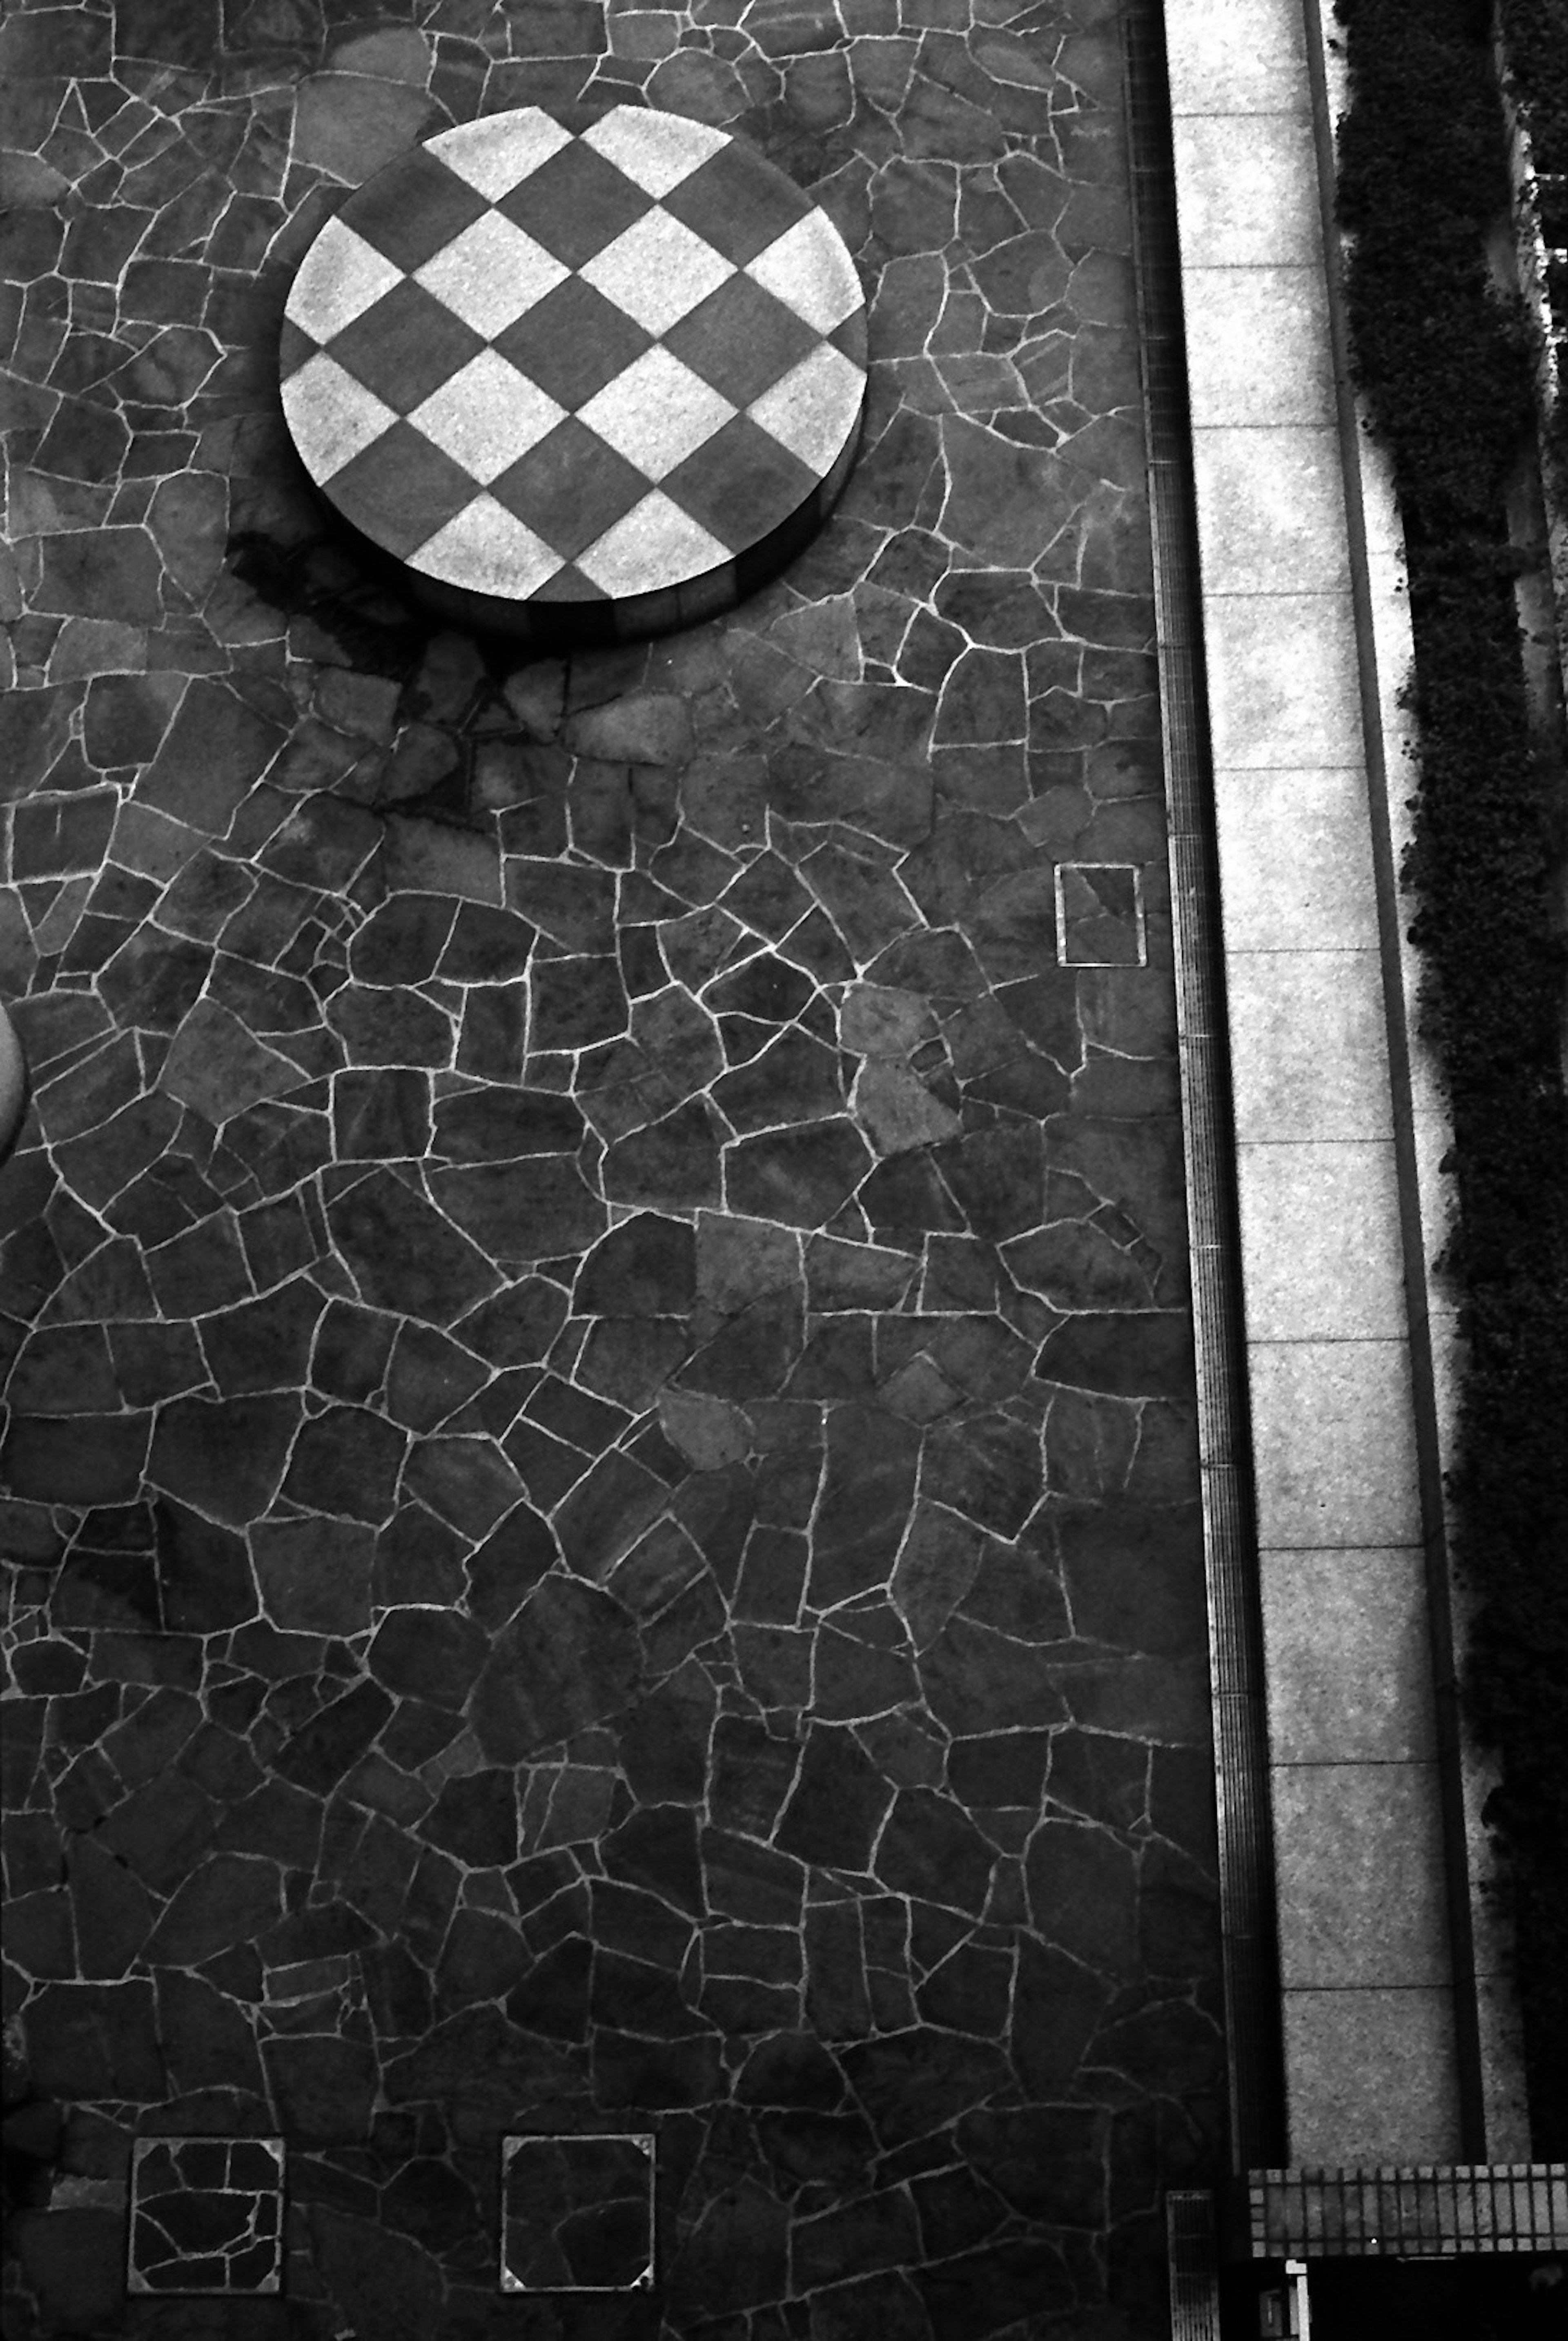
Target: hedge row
[1445, 363]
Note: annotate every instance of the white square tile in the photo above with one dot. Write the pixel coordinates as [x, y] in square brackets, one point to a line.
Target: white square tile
[657, 412]
[342, 277]
[488, 550]
[657, 272]
[809, 270]
[656, 151]
[656, 544]
[332, 416]
[812, 409]
[491, 274]
[486, 416]
[497, 154]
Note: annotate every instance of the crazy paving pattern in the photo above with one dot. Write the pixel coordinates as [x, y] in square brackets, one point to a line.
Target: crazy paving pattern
[617, 373]
[603, 1533]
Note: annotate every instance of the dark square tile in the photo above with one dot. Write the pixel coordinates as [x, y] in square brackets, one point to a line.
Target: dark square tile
[735, 207]
[205, 2215]
[408, 214]
[740, 484]
[295, 348]
[577, 2214]
[569, 585]
[1100, 914]
[575, 204]
[406, 345]
[401, 490]
[573, 342]
[741, 339]
[570, 488]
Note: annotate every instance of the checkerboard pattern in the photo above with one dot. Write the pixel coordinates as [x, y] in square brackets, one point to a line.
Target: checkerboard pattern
[558, 366]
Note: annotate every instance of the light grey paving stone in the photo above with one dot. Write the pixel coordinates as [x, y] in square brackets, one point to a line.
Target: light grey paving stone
[1257, 345]
[1283, 682]
[1320, 896]
[1271, 508]
[1358, 1875]
[1334, 1442]
[1247, 189]
[1348, 1653]
[1320, 1253]
[1309, 1048]
[1225, 61]
[1371, 2076]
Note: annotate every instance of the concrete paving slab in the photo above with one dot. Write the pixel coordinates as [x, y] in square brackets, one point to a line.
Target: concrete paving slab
[1320, 1253]
[1358, 1876]
[1214, 71]
[1257, 345]
[1349, 1655]
[1271, 504]
[1320, 893]
[1283, 681]
[1372, 2076]
[1334, 1442]
[1308, 1046]
[1248, 187]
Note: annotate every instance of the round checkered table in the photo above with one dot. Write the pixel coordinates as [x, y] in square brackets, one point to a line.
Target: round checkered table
[582, 378]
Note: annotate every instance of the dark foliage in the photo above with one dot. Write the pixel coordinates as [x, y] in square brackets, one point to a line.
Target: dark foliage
[1444, 361]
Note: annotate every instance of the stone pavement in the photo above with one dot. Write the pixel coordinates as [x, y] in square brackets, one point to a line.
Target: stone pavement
[602, 1529]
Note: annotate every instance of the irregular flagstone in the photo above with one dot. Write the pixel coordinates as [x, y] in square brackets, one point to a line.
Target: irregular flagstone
[218, 1068]
[649, 1299]
[404, 1254]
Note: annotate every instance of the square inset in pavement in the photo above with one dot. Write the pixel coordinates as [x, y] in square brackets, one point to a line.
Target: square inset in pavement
[1100, 914]
[206, 2216]
[577, 2214]
[407, 345]
[575, 204]
[573, 342]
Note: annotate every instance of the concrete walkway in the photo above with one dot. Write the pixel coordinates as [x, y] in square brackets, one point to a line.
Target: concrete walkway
[1338, 1133]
